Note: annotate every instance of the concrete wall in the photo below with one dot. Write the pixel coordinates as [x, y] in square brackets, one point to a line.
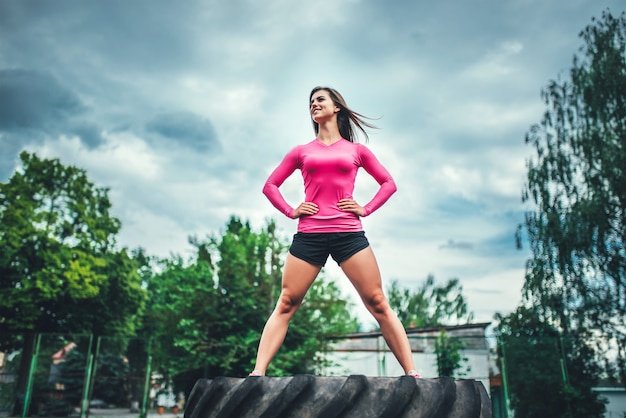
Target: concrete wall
[616, 408]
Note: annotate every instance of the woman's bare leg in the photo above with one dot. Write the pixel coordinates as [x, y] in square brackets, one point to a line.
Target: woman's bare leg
[298, 276]
[362, 270]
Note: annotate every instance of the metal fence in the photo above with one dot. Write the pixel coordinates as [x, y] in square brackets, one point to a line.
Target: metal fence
[74, 375]
[60, 375]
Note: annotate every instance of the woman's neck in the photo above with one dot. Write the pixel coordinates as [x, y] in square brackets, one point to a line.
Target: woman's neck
[328, 133]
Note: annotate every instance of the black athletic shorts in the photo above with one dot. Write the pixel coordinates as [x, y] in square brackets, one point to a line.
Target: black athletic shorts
[315, 248]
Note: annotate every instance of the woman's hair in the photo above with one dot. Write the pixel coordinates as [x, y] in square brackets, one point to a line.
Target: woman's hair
[347, 119]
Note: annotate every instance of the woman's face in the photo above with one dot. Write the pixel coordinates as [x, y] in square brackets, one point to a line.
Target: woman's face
[322, 106]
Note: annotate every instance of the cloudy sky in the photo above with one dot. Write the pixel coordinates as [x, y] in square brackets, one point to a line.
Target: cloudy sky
[182, 109]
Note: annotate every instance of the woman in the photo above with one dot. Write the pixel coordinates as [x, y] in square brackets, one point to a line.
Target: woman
[329, 224]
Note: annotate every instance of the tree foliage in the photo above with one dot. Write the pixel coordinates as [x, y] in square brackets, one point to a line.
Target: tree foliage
[430, 304]
[547, 375]
[577, 181]
[449, 356]
[60, 270]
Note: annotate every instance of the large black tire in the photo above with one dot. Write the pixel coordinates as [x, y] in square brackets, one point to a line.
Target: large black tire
[304, 396]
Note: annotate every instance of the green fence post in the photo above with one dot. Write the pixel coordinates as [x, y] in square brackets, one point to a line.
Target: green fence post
[505, 380]
[564, 374]
[31, 376]
[144, 406]
[84, 406]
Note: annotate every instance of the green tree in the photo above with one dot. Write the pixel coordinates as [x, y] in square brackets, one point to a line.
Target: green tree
[547, 376]
[60, 270]
[577, 182]
[429, 304]
[449, 356]
[182, 299]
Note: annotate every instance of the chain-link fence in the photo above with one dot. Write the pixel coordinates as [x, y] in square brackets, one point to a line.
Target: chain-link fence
[58, 375]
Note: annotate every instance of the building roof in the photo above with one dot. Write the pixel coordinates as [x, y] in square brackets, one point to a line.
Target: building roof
[418, 330]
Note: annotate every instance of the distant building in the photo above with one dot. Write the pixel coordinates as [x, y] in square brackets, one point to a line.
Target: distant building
[367, 353]
[615, 397]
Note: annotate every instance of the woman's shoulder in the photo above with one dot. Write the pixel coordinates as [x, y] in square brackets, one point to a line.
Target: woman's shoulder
[300, 146]
[361, 147]
[298, 150]
[305, 145]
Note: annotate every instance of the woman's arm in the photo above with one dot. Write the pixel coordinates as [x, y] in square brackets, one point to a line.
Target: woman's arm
[286, 167]
[387, 186]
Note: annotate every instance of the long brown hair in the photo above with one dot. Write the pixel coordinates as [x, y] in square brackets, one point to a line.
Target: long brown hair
[347, 119]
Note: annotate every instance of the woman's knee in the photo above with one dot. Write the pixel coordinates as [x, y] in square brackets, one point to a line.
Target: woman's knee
[287, 304]
[377, 303]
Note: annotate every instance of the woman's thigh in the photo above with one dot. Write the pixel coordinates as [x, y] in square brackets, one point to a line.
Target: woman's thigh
[298, 276]
[363, 272]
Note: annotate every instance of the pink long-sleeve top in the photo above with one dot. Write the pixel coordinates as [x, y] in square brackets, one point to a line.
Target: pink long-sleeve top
[329, 172]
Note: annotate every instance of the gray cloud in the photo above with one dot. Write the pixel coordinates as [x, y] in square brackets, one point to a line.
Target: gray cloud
[34, 101]
[89, 133]
[457, 245]
[35, 105]
[117, 34]
[187, 129]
